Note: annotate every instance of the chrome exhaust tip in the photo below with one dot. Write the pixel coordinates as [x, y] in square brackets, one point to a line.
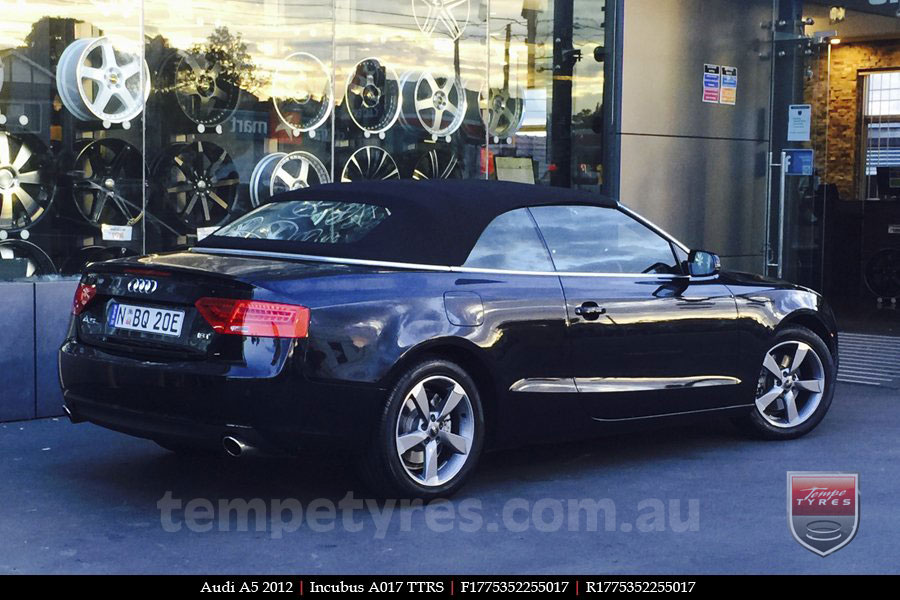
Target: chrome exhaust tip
[71, 415]
[235, 447]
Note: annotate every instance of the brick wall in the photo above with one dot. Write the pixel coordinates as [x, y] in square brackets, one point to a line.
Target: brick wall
[843, 108]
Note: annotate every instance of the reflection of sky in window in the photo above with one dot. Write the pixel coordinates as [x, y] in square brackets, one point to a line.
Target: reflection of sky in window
[600, 240]
[273, 29]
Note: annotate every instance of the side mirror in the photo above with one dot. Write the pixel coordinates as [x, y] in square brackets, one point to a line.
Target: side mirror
[703, 264]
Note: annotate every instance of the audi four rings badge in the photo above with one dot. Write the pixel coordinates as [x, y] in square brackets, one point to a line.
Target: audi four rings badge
[823, 509]
[143, 286]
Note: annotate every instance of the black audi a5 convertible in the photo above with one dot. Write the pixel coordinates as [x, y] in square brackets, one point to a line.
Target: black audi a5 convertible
[418, 322]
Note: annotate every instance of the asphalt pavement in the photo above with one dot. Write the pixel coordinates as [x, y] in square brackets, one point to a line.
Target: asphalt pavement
[695, 499]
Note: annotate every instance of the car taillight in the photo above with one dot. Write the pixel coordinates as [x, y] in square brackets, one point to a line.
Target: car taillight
[84, 293]
[251, 317]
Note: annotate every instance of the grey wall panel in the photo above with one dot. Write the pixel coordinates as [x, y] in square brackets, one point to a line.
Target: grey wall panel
[17, 351]
[697, 169]
[709, 193]
[53, 305]
[665, 45]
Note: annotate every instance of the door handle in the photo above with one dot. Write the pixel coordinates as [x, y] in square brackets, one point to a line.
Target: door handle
[590, 311]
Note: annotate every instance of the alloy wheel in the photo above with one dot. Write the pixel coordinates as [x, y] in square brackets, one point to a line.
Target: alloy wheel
[435, 431]
[791, 384]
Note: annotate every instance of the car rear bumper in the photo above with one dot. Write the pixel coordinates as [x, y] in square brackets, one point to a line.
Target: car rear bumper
[203, 402]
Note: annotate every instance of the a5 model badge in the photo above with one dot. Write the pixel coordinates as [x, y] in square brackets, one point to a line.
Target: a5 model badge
[142, 286]
[823, 509]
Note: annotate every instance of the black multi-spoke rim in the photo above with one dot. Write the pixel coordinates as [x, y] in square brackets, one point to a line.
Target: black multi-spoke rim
[27, 184]
[370, 162]
[108, 181]
[437, 164]
[199, 183]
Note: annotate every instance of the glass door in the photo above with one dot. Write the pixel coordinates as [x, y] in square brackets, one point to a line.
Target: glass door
[798, 148]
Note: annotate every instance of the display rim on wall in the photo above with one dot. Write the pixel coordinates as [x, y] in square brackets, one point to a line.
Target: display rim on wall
[201, 76]
[111, 80]
[106, 181]
[428, 23]
[271, 174]
[284, 180]
[388, 120]
[432, 159]
[327, 103]
[38, 260]
[365, 172]
[490, 110]
[429, 94]
[261, 178]
[198, 184]
[13, 178]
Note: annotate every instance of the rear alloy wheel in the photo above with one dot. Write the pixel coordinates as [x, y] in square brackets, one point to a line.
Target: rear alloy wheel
[430, 434]
[794, 389]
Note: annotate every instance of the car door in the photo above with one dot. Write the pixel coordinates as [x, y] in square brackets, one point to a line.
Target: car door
[644, 338]
[524, 330]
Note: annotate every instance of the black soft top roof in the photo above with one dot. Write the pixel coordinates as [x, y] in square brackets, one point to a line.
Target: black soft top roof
[434, 222]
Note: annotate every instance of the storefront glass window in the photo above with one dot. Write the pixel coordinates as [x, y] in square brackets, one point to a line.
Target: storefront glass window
[129, 127]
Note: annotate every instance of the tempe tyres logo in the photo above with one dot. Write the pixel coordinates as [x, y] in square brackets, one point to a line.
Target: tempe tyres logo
[823, 509]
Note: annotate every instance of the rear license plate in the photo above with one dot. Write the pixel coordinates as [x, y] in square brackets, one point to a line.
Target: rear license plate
[144, 318]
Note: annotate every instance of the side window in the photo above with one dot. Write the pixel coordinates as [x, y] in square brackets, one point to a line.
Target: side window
[510, 242]
[594, 239]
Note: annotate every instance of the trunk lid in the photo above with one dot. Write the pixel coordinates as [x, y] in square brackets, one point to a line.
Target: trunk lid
[163, 289]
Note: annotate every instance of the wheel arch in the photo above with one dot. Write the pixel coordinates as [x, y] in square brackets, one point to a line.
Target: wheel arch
[810, 320]
[468, 356]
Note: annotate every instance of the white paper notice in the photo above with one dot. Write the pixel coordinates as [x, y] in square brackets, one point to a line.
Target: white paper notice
[799, 121]
[116, 233]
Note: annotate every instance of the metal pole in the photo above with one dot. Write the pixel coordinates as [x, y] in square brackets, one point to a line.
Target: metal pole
[781, 186]
[564, 59]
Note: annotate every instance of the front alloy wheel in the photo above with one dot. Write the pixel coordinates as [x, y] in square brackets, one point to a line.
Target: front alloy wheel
[794, 388]
[790, 385]
[429, 435]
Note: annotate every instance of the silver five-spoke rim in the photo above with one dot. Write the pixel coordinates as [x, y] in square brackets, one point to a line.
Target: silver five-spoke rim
[435, 431]
[791, 384]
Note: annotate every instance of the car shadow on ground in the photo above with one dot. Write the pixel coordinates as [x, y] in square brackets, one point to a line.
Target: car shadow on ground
[141, 470]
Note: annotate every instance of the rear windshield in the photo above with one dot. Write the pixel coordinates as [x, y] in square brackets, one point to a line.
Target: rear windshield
[311, 222]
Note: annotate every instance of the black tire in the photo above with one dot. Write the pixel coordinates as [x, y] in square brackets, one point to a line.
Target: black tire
[756, 425]
[382, 468]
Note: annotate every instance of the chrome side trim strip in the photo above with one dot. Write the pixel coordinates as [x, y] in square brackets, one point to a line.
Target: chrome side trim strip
[643, 384]
[665, 276]
[675, 414]
[417, 266]
[546, 385]
[593, 385]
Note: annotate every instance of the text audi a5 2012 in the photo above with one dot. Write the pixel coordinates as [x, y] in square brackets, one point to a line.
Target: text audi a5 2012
[417, 323]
